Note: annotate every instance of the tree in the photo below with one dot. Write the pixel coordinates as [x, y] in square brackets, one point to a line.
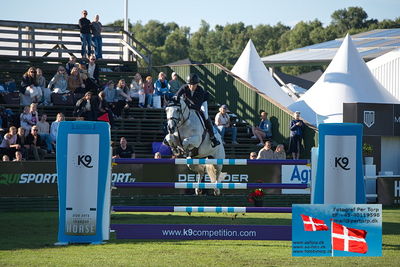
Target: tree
[351, 18]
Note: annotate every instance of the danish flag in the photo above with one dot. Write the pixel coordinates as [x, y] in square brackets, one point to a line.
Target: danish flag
[348, 239]
[312, 224]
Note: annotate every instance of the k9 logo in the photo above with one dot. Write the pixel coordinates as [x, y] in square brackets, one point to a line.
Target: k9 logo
[85, 160]
[342, 162]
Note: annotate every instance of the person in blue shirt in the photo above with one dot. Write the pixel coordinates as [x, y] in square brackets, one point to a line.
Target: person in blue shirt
[263, 130]
[161, 89]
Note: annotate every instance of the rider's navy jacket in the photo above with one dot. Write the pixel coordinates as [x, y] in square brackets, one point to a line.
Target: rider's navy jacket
[196, 100]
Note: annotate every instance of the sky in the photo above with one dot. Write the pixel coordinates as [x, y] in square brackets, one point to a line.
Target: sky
[190, 13]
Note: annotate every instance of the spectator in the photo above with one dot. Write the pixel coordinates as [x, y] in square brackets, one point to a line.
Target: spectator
[223, 122]
[122, 97]
[93, 71]
[253, 155]
[59, 83]
[34, 113]
[104, 109]
[124, 150]
[86, 39]
[9, 144]
[75, 82]
[148, 88]
[137, 89]
[5, 158]
[18, 156]
[26, 119]
[157, 155]
[266, 152]
[21, 140]
[280, 152]
[54, 127]
[86, 107]
[97, 40]
[161, 91]
[34, 144]
[174, 84]
[83, 71]
[71, 64]
[263, 130]
[296, 135]
[44, 132]
[46, 92]
[30, 91]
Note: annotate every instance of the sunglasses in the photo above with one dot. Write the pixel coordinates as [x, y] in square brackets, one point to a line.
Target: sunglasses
[35, 130]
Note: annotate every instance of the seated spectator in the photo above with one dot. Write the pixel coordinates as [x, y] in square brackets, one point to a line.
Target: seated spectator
[280, 152]
[123, 97]
[71, 64]
[5, 158]
[59, 83]
[34, 113]
[83, 71]
[18, 156]
[263, 130]
[86, 107]
[9, 144]
[46, 92]
[148, 88]
[137, 89]
[253, 155]
[21, 140]
[223, 123]
[26, 120]
[44, 132]
[105, 110]
[161, 91]
[93, 70]
[34, 144]
[266, 152]
[174, 84]
[54, 127]
[124, 150]
[75, 82]
[30, 91]
[157, 155]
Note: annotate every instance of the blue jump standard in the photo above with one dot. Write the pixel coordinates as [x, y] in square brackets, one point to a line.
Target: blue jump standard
[209, 185]
[202, 209]
[212, 161]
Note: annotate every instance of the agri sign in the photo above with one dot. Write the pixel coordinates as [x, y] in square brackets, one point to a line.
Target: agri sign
[51, 178]
[295, 174]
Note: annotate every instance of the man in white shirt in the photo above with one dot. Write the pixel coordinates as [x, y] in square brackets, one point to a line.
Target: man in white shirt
[223, 122]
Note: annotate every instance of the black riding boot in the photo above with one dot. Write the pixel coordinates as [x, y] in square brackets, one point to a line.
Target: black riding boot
[210, 130]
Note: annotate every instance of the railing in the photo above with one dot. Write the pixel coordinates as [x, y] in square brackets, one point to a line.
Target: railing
[32, 39]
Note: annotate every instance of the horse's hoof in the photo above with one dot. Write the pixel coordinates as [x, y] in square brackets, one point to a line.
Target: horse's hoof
[217, 192]
[198, 191]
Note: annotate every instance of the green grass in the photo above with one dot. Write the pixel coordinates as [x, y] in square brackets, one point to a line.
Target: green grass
[26, 239]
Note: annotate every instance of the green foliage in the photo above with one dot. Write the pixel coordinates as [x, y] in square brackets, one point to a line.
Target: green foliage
[367, 150]
[223, 44]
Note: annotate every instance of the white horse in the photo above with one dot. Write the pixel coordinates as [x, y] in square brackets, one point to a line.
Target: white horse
[186, 132]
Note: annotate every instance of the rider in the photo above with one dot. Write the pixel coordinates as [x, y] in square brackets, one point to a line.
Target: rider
[197, 98]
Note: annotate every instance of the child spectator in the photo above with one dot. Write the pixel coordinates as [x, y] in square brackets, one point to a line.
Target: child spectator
[5, 158]
[59, 83]
[18, 156]
[266, 152]
[157, 155]
[280, 152]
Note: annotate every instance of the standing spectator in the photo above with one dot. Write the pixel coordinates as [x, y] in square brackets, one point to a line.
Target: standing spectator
[9, 144]
[59, 83]
[97, 41]
[253, 155]
[266, 152]
[161, 91]
[75, 82]
[18, 156]
[148, 88]
[41, 80]
[30, 91]
[44, 132]
[263, 130]
[174, 84]
[137, 89]
[296, 135]
[71, 64]
[34, 144]
[280, 152]
[86, 39]
[93, 71]
[124, 150]
[86, 107]
[54, 127]
[223, 122]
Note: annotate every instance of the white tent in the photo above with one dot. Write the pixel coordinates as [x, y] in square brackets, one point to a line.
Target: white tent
[250, 68]
[346, 80]
[386, 70]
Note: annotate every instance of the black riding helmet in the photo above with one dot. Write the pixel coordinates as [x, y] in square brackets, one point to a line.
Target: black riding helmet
[192, 78]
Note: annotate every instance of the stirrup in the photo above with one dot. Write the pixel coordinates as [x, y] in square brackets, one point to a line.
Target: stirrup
[215, 142]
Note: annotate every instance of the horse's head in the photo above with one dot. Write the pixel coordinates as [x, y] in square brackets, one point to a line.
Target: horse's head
[177, 113]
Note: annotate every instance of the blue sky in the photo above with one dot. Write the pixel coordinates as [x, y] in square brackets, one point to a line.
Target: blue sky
[190, 13]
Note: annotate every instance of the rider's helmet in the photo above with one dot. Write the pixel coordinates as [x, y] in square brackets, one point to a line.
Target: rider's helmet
[192, 78]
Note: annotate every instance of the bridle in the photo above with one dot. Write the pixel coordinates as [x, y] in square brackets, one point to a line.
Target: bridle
[177, 122]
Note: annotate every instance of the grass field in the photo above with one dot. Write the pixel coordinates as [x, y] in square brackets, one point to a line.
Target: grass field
[26, 239]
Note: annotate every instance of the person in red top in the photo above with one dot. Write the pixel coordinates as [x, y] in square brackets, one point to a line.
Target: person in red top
[148, 88]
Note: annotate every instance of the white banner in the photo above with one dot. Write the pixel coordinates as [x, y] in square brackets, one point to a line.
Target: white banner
[296, 174]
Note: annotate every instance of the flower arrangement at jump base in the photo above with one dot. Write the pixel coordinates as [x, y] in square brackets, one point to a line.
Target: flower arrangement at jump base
[256, 197]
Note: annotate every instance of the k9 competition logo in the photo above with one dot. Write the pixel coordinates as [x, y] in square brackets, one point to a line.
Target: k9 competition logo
[83, 160]
[342, 162]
